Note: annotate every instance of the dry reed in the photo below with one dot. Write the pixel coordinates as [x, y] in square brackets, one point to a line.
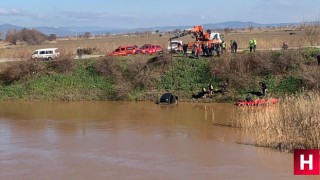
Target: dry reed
[293, 124]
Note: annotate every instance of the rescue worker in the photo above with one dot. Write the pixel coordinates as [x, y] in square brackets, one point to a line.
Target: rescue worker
[218, 49]
[264, 88]
[225, 86]
[198, 50]
[185, 49]
[212, 49]
[249, 98]
[251, 45]
[235, 46]
[231, 46]
[284, 46]
[209, 49]
[194, 50]
[204, 92]
[223, 47]
[254, 44]
[211, 88]
[79, 52]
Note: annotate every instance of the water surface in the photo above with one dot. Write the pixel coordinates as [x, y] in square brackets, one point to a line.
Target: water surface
[128, 140]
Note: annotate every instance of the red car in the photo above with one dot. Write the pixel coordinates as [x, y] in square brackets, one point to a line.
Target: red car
[150, 49]
[124, 51]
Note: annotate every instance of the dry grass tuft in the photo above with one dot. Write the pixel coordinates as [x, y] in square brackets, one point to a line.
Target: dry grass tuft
[311, 77]
[60, 65]
[132, 75]
[16, 71]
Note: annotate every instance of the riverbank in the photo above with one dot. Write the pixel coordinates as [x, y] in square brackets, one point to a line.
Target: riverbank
[146, 78]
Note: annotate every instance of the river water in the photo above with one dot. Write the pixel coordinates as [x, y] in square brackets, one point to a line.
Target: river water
[130, 140]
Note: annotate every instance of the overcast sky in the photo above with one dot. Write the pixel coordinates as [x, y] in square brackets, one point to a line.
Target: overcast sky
[150, 13]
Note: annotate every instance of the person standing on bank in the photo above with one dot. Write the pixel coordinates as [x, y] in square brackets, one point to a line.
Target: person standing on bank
[185, 49]
[79, 52]
[235, 46]
[254, 44]
[251, 44]
[264, 88]
[231, 46]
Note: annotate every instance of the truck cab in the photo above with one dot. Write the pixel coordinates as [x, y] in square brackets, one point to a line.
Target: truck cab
[175, 46]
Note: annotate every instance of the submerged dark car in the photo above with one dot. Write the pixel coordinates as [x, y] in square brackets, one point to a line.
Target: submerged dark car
[168, 98]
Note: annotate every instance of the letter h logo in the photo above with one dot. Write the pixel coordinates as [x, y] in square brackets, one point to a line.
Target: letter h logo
[306, 162]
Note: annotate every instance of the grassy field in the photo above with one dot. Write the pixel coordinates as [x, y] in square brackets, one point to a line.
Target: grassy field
[266, 39]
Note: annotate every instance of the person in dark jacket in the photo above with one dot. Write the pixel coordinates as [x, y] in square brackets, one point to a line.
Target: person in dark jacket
[185, 49]
[235, 46]
[249, 98]
[264, 88]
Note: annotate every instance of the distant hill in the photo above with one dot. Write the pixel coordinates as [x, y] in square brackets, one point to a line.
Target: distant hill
[239, 24]
[76, 30]
[5, 27]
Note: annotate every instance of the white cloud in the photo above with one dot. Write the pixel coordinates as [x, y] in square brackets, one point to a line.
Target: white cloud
[11, 12]
[277, 3]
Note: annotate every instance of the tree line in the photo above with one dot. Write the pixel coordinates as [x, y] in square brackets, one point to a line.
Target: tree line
[29, 36]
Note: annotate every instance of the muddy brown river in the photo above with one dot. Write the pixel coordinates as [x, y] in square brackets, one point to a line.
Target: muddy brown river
[129, 140]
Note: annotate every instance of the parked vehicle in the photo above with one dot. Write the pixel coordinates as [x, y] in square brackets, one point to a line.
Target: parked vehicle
[48, 54]
[201, 36]
[124, 51]
[150, 49]
[176, 46]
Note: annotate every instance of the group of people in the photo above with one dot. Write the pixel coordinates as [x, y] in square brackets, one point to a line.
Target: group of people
[212, 49]
[206, 49]
[209, 92]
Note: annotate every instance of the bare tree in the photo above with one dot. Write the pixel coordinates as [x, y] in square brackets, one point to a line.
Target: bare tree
[250, 28]
[227, 30]
[13, 36]
[87, 35]
[32, 36]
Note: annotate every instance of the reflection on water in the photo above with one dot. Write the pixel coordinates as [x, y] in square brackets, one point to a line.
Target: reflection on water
[127, 140]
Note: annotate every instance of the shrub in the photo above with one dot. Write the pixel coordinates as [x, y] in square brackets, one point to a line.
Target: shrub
[289, 84]
[61, 66]
[128, 75]
[311, 77]
[19, 71]
[186, 75]
[32, 36]
[13, 36]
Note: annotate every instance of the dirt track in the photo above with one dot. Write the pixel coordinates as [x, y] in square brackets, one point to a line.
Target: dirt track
[23, 59]
[101, 55]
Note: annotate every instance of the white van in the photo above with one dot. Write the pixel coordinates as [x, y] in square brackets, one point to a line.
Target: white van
[49, 53]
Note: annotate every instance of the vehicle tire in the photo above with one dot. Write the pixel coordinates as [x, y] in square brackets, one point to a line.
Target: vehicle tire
[49, 58]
